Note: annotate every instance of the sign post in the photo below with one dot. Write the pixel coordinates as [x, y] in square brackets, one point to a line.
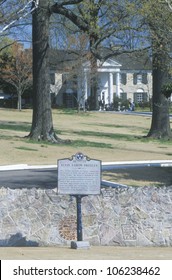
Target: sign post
[79, 217]
[79, 176]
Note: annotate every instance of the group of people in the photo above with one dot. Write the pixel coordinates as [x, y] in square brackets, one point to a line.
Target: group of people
[111, 107]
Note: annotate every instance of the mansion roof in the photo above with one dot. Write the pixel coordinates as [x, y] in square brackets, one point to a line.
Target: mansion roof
[65, 60]
[134, 61]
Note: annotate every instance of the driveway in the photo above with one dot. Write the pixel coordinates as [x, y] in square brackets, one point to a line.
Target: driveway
[38, 178]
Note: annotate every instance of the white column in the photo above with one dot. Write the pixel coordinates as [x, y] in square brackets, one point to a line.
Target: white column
[118, 84]
[110, 91]
[85, 86]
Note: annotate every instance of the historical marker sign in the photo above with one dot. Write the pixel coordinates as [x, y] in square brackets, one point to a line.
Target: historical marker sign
[79, 175]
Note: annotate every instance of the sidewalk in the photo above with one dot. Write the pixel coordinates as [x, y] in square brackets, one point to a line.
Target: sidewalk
[93, 253]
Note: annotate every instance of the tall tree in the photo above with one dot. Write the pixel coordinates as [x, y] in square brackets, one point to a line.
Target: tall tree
[105, 23]
[160, 126]
[158, 20]
[42, 124]
[86, 20]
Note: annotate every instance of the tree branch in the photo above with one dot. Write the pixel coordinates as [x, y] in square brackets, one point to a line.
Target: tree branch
[69, 2]
[169, 2]
[77, 20]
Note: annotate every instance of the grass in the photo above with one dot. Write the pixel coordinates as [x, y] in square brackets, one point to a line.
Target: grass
[73, 143]
[115, 136]
[115, 126]
[26, 149]
[73, 112]
[106, 131]
[103, 136]
[14, 126]
[99, 145]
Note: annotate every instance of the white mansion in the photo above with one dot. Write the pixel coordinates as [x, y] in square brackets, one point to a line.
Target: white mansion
[126, 76]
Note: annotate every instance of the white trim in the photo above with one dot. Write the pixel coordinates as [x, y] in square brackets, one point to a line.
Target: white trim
[118, 84]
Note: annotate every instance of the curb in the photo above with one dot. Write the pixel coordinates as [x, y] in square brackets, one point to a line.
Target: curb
[25, 167]
[105, 165]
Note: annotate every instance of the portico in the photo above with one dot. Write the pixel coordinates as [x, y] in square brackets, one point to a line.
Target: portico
[106, 73]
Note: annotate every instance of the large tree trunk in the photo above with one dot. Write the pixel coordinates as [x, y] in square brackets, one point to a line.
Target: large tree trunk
[94, 84]
[42, 124]
[160, 126]
[94, 102]
[19, 101]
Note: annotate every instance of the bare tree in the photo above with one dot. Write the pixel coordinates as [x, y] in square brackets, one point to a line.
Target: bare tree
[15, 20]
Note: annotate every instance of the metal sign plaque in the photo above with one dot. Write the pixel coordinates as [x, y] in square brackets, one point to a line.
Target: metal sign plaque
[79, 175]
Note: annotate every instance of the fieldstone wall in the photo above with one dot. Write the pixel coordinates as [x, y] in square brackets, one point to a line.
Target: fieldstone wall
[133, 216]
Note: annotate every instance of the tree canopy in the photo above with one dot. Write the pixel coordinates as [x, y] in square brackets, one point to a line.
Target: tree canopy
[16, 70]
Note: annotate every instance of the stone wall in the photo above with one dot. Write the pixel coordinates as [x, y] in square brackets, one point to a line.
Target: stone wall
[133, 216]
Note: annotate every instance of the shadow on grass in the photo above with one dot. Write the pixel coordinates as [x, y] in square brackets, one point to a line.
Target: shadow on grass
[115, 136]
[16, 127]
[72, 143]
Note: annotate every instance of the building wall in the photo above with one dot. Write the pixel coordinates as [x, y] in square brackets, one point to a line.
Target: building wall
[55, 88]
[130, 88]
[132, 216]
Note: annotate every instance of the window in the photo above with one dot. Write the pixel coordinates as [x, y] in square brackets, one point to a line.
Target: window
[139, 79]
[123, 78]
[144, 78]
[139, 97]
